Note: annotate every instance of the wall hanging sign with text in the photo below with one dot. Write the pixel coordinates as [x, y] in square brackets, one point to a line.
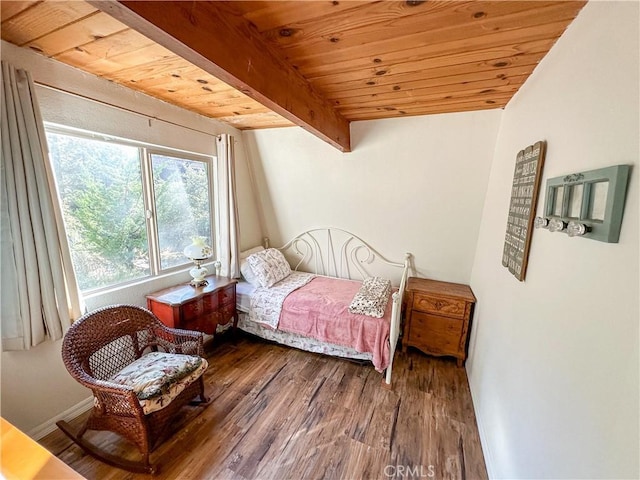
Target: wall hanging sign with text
[524, 195]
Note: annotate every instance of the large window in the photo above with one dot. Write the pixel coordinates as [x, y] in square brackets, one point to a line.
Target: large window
[129, 209]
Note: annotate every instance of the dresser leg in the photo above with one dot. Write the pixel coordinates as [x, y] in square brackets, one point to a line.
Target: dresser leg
[234, 328]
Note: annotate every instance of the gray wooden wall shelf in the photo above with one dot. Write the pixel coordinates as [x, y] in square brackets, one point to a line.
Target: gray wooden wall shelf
[587, 204]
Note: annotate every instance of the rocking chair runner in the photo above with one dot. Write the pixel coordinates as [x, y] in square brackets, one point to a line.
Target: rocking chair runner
[102, 343]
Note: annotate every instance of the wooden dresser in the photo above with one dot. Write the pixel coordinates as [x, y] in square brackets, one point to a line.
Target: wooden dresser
[438, 317]
[196, 308]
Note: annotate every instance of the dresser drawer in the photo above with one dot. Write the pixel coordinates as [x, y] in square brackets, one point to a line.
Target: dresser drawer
[210, 303]
[440, 305]
[192, 310]
[227, 312]
[439, 335]
[196, 308]
[228, 296]
[204, 323]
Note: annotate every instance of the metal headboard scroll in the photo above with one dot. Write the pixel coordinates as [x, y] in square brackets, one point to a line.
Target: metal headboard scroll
[345, 254]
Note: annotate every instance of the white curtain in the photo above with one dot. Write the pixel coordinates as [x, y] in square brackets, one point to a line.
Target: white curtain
[39, 290]
[228, 228]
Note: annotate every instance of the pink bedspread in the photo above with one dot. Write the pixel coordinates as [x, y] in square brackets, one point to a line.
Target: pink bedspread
[320, 309]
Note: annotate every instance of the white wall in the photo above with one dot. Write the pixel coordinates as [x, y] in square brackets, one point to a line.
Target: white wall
[554, 364]
[410, 185]
[36, 388]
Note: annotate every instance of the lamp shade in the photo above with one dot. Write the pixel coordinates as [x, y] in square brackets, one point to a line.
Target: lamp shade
[198, 250]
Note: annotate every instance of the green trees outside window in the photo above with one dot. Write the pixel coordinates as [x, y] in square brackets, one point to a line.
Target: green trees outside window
[121, 227]
[181, 190]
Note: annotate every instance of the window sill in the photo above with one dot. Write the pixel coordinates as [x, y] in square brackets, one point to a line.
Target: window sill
[134, 292]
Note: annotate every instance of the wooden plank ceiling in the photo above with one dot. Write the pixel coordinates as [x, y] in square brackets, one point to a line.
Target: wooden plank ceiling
[361, 60]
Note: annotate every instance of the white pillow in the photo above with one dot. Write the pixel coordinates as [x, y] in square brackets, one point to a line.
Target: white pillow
[244, 254]
[245, 268]
[269, 266]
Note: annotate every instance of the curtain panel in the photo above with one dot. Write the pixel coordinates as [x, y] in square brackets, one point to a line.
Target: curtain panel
[228, 248]
[40, 295]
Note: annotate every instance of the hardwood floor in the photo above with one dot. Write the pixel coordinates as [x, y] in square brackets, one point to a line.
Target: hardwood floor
[280, 413]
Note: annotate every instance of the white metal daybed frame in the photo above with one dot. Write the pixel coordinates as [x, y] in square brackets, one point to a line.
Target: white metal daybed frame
[347, 256]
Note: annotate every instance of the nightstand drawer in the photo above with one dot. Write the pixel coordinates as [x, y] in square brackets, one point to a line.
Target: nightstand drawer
[440, 305]
[440, 335]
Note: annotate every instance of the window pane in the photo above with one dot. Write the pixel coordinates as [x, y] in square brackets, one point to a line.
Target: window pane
[181, 189]
[557, 201]
[598, 200]
[100, 186]
[575, 200]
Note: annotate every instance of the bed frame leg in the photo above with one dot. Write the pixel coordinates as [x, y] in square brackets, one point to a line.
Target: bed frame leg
[386, 380]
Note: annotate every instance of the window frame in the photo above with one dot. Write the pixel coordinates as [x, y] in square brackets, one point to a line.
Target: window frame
[145, 151]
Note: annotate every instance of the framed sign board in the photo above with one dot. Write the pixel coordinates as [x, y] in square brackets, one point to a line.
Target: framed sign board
[524, 195]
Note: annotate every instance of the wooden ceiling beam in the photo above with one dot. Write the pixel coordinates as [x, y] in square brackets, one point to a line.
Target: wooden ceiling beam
[211, 36]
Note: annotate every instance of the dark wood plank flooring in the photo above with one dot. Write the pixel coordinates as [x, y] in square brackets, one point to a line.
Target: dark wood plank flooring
[280, 413]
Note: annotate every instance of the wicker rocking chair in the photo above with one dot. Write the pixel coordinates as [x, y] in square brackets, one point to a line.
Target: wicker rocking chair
[103, 343]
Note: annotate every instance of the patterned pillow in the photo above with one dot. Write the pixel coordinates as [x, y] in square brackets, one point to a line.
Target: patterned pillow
[372, 298]
[269, 266]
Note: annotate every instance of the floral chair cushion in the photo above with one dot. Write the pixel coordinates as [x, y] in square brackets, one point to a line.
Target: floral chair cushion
[159, 402]
[154, 374]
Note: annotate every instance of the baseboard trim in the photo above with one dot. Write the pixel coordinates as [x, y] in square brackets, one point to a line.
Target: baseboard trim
[49, 426]
[484, 439]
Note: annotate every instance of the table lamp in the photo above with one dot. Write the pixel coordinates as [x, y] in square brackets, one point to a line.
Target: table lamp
[198, 252]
